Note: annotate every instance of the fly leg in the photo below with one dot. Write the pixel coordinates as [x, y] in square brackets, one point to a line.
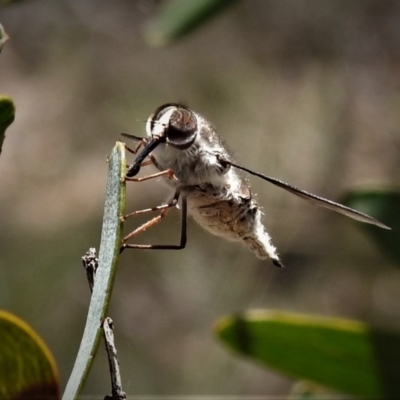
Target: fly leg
[164, 210]
[168, 173]
[141, 142]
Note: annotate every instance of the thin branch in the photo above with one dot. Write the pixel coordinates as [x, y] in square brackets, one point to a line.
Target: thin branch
[116, 384]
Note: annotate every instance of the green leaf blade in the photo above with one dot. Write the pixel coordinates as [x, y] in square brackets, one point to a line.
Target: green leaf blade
[111, 239]
[340, 354]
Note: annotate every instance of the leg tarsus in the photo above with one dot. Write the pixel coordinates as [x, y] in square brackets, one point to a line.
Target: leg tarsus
[141, 142]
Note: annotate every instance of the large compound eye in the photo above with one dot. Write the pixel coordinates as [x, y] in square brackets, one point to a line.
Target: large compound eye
[182, 128]
[173, 123]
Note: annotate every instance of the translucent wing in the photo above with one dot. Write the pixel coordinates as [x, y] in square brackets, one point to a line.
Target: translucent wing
[314, 199]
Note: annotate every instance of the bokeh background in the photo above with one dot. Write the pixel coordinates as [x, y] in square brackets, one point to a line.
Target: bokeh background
[305, 91]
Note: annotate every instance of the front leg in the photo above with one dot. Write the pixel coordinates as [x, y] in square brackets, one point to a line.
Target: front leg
[141, 142]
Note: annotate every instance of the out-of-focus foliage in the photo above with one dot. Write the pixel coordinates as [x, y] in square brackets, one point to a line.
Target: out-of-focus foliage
[384, 205]
[10, 1]
[180, 17]
[3, 37]
[27, 368]
[111, 239]
[7, 115]
[345, 355]
[306, 390]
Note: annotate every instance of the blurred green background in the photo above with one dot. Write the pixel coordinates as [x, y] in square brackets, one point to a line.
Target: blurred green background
[305, 91]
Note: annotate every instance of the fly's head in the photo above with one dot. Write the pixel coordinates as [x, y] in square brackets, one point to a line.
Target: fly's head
[171, 129]
[183, 142]
[178, 129]
[174, 124]
[180, 149]
[190, 146]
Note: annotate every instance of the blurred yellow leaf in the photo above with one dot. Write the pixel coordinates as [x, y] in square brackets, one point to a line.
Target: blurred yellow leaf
[27, 368]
